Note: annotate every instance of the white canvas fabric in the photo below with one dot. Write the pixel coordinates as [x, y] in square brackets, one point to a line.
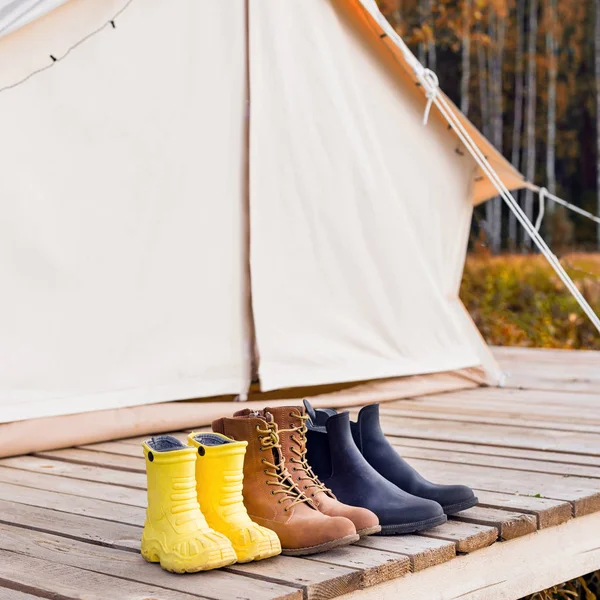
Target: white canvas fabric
[17, 13]
[359, 215]
[121, 223]
[124, 225]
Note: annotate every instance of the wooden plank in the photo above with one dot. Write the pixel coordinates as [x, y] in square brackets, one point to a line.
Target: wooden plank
[522, 401]
[54, 580]
[477, 407]
[130, 565]
[37, 464]
[495, 435]
[510, 525]
[102, 459]
[507, 570]
[319, 581]
[119, 448]
[99, 509]
[422, 552]
[583, 494]
[515, 464]
[549, 513]
[468, 537]
[487, 450]
[85, 489]
[8, 594]
[75, 526]
[546, 369]
[375, 566]
[456, 416]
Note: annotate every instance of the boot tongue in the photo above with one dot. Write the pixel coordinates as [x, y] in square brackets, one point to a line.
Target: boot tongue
[265, 415]
[282, 415]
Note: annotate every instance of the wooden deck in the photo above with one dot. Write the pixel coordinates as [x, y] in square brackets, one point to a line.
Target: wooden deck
[70, 520]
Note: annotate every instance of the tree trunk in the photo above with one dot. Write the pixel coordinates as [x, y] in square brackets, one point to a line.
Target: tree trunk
[484, 105]
[497, 54]
[531, 111]
[483, 88]
[496, 33]
[422, 51]
[597, 42]
[466, 57]
[397, 13]
[431, 52]
[551, 49]
[518, 113]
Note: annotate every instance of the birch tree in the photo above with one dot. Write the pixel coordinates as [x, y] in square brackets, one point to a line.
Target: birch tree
[431, 49]
[422, 50]
[497, 31]
[518, 111]
[530, 154]
[597, 52]
[483, 84]
[466, 56]
[551, 50]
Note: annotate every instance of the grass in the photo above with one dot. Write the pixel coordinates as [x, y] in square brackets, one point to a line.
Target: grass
[582, 588]
[518, 300]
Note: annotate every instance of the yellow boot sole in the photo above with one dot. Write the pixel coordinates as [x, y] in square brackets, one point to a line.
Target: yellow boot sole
[213, 557]
[258, 551]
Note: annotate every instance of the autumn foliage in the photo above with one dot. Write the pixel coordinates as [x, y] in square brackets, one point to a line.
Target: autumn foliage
[480, 49]
[517, 300]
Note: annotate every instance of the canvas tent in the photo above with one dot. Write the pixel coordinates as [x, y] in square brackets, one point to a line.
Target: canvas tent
[192, 186]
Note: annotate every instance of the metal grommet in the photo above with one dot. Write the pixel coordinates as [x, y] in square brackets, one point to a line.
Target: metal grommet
[201, 451]
[150, 456]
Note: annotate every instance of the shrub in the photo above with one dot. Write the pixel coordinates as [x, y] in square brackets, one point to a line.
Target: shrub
[518, 300]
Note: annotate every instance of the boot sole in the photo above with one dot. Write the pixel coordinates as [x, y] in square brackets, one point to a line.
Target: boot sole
[260, 551]
[214, 559]
[413, 527]
[349, 539]
[368, 530]
[454, 508]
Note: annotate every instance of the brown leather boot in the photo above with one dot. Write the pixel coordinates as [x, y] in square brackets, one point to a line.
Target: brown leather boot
[272, 498]
[291, 422]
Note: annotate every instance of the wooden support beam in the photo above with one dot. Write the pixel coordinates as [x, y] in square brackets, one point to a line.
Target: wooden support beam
[505, 570]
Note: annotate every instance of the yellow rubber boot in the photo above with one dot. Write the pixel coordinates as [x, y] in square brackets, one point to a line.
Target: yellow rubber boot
[219, 477]
[176, 533]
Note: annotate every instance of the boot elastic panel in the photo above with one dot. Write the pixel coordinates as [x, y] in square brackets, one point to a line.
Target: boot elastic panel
[165, 443]
[319, 416]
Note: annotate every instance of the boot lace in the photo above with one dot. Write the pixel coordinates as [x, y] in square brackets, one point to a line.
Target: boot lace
[269, 439]
[312, 481]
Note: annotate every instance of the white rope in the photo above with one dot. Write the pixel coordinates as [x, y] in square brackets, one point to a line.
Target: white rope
[431, 92]
[543, 192]
[566, 204]
[449, 114]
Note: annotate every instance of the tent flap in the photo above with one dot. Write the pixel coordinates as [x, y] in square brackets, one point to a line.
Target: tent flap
[121, 235]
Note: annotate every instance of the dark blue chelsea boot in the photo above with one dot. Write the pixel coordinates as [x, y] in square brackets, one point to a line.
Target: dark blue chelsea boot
[380, 454]
[338, 463]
